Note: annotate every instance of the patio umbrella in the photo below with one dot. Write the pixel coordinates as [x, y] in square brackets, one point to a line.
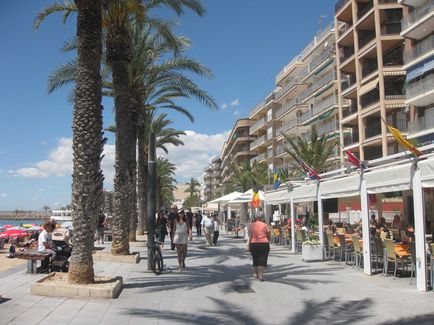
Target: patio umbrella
[35, 228]
[17, 228]
[28, 225]
[14, 233]
[226, 198]
[8, 226]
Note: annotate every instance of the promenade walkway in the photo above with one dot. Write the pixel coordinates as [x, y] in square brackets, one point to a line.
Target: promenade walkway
[217, 288]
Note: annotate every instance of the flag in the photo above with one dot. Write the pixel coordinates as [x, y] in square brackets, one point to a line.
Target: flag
[312, 174]
[354, 160]
[404, 142]
[276, 178]
[255, 200]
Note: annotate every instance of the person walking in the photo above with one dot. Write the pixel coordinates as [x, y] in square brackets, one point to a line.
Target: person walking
[198, 223]
[208, 229]
[181, 234]
[173, 215]
[100, 228]
[259, 246]
[161, 228]
[189, 216]
[216, 229]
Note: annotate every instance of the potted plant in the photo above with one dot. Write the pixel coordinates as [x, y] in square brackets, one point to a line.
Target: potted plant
[312, 250]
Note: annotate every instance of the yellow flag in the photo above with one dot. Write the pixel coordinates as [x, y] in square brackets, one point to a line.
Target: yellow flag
[403, 142]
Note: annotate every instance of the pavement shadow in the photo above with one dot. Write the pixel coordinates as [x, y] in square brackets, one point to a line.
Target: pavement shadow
[331, 311]
[416, 320]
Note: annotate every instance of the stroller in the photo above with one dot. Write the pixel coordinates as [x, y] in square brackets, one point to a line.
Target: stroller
[60, 263]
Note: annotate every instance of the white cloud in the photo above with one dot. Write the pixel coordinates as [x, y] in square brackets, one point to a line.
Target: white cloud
[235, 102]
[237, 112]
[224, 106]
[43, 142]
[59, 163]
[3, 195]
[196, 154]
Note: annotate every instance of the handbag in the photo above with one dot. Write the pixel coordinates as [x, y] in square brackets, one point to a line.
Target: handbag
[247, 245]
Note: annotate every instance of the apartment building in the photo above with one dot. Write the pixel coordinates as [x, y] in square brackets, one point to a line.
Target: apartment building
[306, 94]
[370, 74]
[417, 26]
[237, 147]
[212, 179]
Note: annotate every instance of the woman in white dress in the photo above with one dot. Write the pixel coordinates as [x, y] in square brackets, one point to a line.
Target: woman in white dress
[181, 236]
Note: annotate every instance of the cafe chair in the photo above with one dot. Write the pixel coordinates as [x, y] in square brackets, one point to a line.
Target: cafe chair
[358, 252]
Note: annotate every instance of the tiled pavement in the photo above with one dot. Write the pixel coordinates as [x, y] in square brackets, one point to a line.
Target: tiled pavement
[217, 288]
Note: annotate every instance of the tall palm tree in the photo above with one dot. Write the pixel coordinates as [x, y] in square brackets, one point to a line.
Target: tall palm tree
[87, 178]
[193, 190]
[165, 171]
[315, 151]
[246, 175]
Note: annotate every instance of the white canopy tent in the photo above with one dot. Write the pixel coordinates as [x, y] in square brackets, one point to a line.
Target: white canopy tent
[226, 198]
[247, 197]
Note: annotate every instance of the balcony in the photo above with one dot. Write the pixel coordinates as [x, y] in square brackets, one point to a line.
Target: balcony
[257, 125]
[259, 157]
[280, 149]
[391, 28]
[288, 126]
[352, 139]
[370, 98]
[423, 123]
[422, 16]
[331, 76]
[319, 107]
[259, 141]
[421, 92]
[348, 81]
[419, 51]
[340, 4]
[364, 10]
[288, 86]
[327, 127]
[283, 110]
[365, 37]
[318, 61]
[257, 108]
[373, 131]
[345, 53]
[347, 111]
[369, 66]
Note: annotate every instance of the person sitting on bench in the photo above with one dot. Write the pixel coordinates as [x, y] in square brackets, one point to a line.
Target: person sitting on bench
[45, 242]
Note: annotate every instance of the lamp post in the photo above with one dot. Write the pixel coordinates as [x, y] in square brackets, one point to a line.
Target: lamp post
[151, 208]
[290, 188]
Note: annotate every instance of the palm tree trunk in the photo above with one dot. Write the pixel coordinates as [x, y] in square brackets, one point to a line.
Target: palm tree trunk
[133, 168]
[118, 56]
[87, 143]
[243, 213]
[141, 178]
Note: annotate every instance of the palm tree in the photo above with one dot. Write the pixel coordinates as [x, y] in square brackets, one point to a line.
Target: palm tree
[165, 171]
[194, 191]
[315, 151]
[246, 175]
[87, 178]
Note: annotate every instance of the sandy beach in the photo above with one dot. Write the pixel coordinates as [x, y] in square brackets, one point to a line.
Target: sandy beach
[8, 263]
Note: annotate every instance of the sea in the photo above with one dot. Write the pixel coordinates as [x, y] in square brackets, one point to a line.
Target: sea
[16, 222]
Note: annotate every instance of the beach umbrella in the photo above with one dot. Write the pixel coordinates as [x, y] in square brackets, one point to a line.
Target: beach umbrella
[8, 226]
[2, 229]
[13, 233]
[28, 225]
[35, 228]
[17, 228]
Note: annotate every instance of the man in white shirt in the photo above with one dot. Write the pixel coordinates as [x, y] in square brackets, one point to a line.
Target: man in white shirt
[208, 228]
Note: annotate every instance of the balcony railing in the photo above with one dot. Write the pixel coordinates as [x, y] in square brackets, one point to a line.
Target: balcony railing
[327, 127]
[319, 59]
[371, 132]
[420, 49]
[347, 111]
[418, 13]
[340, 4]
[259, 157]
[289, 85]
[365, 38]
[420, 87]
[288, 126]
[345, 53]
[258, 142]
[348, 81]
[391, 28]
[257, 125]
[319, 107]
[317, 85]
[343, 28]
[369, 98]
[287, 107]
[364, 10]
[257, 108]
[423, 123]
[369, 68]
[352, 139]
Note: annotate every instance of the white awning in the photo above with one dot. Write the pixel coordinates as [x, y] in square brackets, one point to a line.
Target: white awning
[305, 193]
[342, 187]
[226, 198]
[277, 197]
[391, 179]
[368, 87]
[427, 172]
[247, 197]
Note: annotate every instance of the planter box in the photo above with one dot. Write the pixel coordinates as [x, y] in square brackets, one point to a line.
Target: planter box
[311, 253]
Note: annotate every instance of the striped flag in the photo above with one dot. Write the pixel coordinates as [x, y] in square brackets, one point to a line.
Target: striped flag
[309, 171]
[404, 142]
[276, 178]
[255, 200]
[352, 158]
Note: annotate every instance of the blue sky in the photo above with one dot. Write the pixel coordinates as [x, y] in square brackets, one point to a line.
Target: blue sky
[245, 43]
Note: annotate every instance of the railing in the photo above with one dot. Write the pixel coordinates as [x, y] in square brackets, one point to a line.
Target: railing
[388, 1]
[340, 4]
[418, 13]
[423, 123]
[391, 28]
[259, 157]
[289, 85]
[258, 142]
[394, 97]
[371, 132]
[318, 108]
[343, 28]
[317, 85]
[363, 11]
[327, 127]
[347, 111]
[257, 125]
[421, 86]
[288, 125]
[257, 108]
[365, 38]
[287, 67]
[287, 107]
[320, 59]
[369, 67]
[369, 98]
[419, 50]
[348, 81]
[345, 53]
[352, 139]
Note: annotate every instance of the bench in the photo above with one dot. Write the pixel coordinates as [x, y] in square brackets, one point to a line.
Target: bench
[32, 256]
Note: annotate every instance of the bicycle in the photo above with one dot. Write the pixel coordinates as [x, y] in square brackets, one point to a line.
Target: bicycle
[156, 258]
